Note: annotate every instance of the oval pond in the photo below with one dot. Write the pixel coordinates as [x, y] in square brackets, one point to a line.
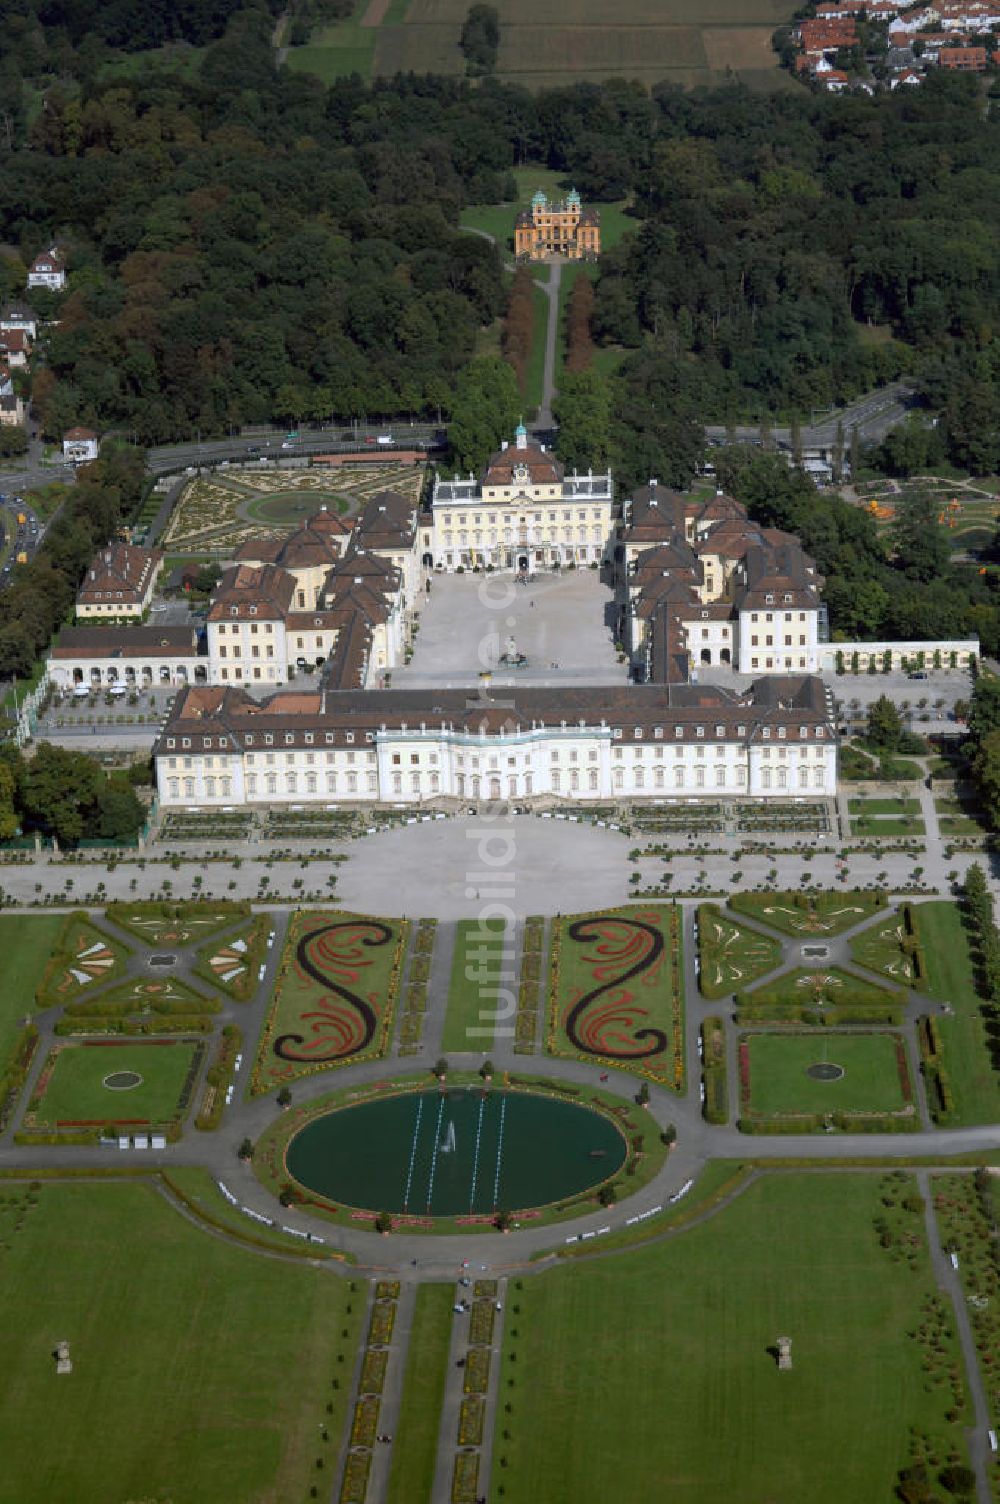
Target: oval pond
[456, 1152]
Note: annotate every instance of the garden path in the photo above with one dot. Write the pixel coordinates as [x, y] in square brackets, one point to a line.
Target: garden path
[355, 1387]
[950, 1284]
[392, 1393]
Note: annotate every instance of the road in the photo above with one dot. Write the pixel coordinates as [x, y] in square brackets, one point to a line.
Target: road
[873, 416]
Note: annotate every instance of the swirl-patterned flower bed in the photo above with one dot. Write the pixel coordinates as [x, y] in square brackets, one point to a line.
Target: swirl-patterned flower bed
[336, 993]
[616, 991]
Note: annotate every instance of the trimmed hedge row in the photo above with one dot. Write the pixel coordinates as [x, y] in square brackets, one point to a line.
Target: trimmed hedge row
[715, 1108]
[16, 1072]
[218, 1078]
[940, 1097]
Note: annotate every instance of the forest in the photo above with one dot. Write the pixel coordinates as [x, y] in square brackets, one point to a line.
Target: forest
[245, 245]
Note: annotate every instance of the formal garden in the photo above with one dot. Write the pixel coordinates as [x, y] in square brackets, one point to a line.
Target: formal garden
[807, 914]
[795, 1082]
[83, 955]
[820, 995]
[616, 991]
[110, 1084]
[731, 955]
[794, 1254]
[335, 998]
[895, 816]
[171, 926]
[232, 962]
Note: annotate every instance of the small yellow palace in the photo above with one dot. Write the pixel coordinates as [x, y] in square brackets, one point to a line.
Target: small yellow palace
[557, 229]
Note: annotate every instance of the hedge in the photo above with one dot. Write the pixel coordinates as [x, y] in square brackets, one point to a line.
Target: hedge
[218, 1078]
[715, 1108]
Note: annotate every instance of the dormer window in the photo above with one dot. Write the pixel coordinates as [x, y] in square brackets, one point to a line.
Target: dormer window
[766, 733]
[248, 739]
[658, 733]
[803, 732]
[769, 600]
[637, 733]
[309, 738]
[329, 738]
[253, 610]
[820, 732]
[268, 739]
[234, 610]
[185, 741]
[787, 599]
[206, 741]
[171, 742]
[720, 730]
[782, 733]
[699, 731]
[678, 732]
[349, 737]
[289, 738]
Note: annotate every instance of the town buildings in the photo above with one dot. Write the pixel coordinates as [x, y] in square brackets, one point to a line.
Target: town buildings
[118, 586]
[80, 445]
[48, 270]
[563, 229]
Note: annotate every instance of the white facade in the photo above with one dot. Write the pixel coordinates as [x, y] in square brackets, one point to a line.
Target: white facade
[48, 271]
[578, 764]
[958, 653]
[241, 651]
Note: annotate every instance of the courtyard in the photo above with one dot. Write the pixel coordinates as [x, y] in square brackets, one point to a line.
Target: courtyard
[560, 622]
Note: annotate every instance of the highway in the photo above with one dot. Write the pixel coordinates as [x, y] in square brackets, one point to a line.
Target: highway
[873, 416]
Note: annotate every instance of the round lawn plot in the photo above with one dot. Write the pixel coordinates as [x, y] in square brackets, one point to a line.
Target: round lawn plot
[456, 1152]
[291, 506]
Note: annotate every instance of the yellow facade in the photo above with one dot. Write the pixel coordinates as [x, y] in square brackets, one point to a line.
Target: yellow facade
[557, 229]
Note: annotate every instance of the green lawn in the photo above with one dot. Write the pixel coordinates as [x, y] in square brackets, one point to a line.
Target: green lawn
[885, 825]
[731, 954]
[27, 943]
[201, 1372]
[498, 219]
[862, 806]
[821, 985]
[414, 1452]
[778, 1080]
[335, 51]
[336, 994]
[82, 955]
[476, 975]
[75, 1092]
[651, 1375]
[615, 991]
[881, 948]
[801, 914]
[534, 373]
[975, 1083]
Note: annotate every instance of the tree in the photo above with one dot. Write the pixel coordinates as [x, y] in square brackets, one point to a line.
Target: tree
[59, 791]
[8, 814]
[284, 1097]
[583, 411]
[119, 813]
[918, 539]
[480, 40]
[579, 314]
[486, 409]
[519, 324]
[986, 774]
[383, 1223]
[984, 710]
[440, 1067]
[884, 724]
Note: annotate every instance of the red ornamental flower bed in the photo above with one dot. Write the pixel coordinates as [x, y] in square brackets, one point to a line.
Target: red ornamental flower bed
[744, 1057]
[904, 1071]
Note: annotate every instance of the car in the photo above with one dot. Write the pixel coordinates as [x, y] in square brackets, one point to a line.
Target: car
[917, 674]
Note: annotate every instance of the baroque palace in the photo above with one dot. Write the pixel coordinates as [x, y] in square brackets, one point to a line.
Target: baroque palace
[694, 583]
[557, 229]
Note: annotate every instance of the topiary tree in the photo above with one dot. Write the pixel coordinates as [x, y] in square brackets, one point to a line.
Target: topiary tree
[284, 1097]
[383, 1223]
[440, 1068]
[246, 1149]
[607, 1195]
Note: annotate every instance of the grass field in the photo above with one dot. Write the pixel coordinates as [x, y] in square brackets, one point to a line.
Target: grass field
[75, 1091]
[886, 825]
[498, 219]
[27, 944]
[415, 1440]
[963, 1034]
[477, 971]
[779, 1083]
[544, 45]
[615, 991]
[201, 1372]
[652, 1375]
[336, 994]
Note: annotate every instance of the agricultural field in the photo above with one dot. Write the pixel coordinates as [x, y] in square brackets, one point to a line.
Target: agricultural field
[336, 995]
[214, 1362]
[215, 514]
[547, 46]
[616, 994]
[597, 1346]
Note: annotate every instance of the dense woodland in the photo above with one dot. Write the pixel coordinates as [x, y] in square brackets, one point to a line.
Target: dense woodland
[246, 244]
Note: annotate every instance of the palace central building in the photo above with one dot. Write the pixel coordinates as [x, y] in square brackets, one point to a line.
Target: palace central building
[525, 514]
[557, 229]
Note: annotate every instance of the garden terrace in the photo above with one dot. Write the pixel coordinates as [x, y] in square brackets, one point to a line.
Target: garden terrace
[616, 991]
[818, 914]
[481, 986]
[334, 1002]
[892, 947]
[212, 826]
[731, 955]
[142, 995]
[961, 814]
[793, 1252]
[886, 817]
[694, 817]
[812, 818]
[822, 995]
[791, 1082]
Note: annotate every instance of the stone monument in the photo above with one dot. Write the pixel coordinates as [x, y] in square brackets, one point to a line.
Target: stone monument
[784, 1352]
[63, 1363]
